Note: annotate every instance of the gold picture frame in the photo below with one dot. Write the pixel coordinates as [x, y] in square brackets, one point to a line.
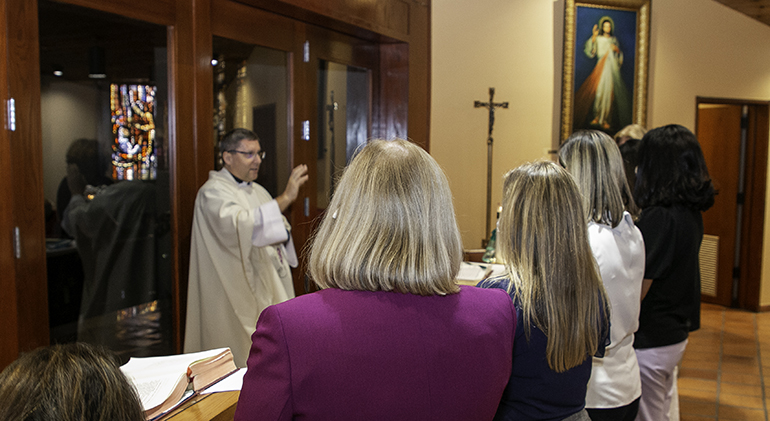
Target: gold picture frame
[606, 49]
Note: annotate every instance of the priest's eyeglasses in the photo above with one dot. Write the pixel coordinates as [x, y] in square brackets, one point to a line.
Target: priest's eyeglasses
[250, 155]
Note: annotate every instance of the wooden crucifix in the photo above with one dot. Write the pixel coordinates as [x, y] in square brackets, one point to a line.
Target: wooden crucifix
[491, 105]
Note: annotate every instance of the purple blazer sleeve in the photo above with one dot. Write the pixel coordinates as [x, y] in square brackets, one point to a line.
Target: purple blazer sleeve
[267, 384]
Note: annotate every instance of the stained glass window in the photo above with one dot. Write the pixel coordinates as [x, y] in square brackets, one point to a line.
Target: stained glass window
[133, 131]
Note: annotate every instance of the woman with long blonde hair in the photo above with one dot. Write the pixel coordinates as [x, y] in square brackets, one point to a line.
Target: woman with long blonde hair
[562, 309]
[594, 160]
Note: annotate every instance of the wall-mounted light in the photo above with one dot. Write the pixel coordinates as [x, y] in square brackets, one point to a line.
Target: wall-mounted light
[57, 71]
[96, 63]
[214, 62]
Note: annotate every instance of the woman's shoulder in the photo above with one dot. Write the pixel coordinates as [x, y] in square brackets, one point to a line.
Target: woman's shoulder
[628, 226]
[497, 282]
[482, 291]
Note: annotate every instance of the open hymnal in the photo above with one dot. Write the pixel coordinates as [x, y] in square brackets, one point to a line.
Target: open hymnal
[165, 382]
[471, 273]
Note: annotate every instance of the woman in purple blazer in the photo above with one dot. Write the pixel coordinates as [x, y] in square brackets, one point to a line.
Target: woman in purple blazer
[390, 336]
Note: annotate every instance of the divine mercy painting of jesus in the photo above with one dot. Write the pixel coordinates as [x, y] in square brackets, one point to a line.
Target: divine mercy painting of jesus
[604, 75]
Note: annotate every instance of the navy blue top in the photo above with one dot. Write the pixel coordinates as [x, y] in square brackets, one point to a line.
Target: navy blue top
[535, 391]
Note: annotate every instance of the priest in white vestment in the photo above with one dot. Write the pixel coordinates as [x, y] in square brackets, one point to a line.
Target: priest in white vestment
[240, 252]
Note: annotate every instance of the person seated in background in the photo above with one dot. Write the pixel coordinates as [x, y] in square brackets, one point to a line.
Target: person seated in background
[562, 310]
[593, 159]
[390, 335]
[67, 382]
[632, 131]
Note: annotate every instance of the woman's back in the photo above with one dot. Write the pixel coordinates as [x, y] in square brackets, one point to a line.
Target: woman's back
[595, 162]
[619, 253]
[671, 308]
[362, 355]
[535, 391]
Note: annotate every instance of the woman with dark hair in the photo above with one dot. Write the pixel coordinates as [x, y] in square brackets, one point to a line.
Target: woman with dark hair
[71, 382]
[672, 187]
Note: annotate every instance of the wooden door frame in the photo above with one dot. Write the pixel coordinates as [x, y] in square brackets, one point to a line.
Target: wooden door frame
[404, 43]
[752, 230]
[24, 303]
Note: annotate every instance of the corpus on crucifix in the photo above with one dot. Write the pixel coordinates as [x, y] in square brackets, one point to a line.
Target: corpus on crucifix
[491, 105]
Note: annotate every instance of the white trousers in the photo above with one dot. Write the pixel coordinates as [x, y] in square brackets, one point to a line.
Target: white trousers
[656, 366]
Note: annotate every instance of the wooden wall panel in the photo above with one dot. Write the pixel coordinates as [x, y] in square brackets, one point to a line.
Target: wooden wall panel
[191, 145]
[300, 109]
[8, 303]
[161, 12]
[394, 91]
[419, 73]
[234, 21]
[390, 18]
[26, 167]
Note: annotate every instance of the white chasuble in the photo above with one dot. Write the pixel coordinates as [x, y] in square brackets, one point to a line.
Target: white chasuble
[240, 254]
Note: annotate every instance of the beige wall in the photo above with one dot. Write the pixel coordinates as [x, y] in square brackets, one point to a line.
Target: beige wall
[697, 48]
[505, 44]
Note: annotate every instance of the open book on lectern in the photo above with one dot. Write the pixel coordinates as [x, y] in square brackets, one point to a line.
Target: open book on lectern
[165, 382]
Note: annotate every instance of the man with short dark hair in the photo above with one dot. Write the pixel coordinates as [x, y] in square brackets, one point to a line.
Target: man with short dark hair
[241, 249]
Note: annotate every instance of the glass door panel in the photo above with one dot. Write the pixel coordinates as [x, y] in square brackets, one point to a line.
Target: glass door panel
[104, 112]
[251, 92]
[344, 119]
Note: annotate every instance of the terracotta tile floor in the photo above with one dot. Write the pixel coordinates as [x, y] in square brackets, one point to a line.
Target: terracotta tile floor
[725, 372]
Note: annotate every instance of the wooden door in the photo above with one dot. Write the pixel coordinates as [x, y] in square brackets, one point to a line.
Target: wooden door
[719, 132]
[734, 226]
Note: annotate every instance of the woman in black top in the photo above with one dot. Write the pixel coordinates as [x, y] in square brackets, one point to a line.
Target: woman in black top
[672, 187]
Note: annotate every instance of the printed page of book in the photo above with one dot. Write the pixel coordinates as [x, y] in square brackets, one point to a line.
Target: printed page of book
[156, 378]
[472, 272]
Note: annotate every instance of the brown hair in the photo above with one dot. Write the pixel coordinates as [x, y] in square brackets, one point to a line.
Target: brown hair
[71, 382]
[594, 161]
[543, 240]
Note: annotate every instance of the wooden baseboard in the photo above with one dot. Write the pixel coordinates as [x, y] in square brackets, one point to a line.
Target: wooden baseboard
[763, 309]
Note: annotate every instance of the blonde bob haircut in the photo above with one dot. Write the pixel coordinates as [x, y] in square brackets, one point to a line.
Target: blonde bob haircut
[594, 161]
[390, 225]
[543, 242]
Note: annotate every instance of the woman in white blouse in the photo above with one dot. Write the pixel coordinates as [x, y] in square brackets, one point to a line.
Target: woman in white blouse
[593, 159]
